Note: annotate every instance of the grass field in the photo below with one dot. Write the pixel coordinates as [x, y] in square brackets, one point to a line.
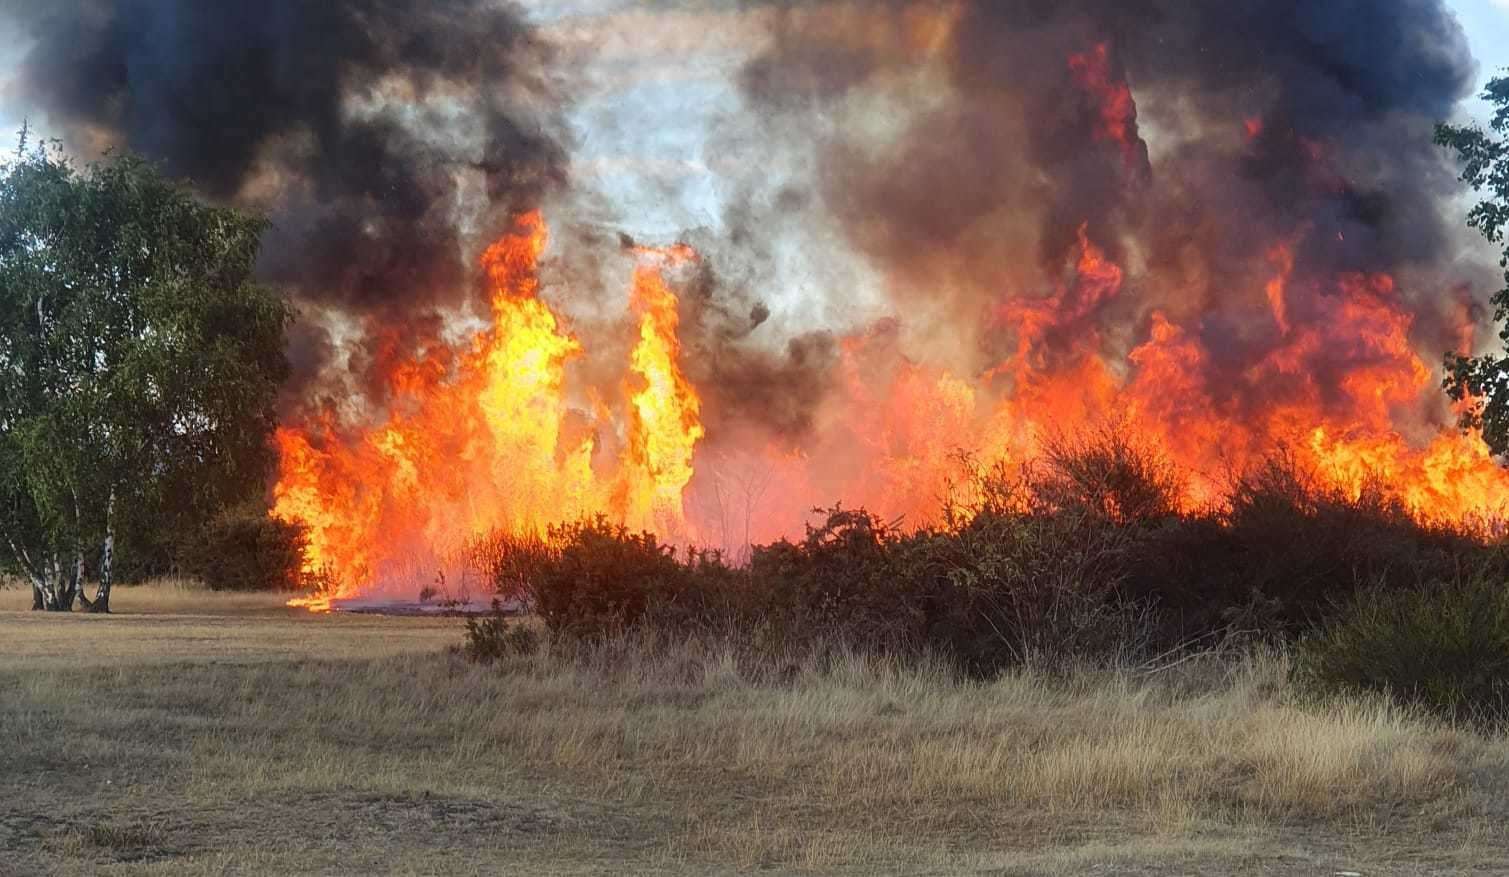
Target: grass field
[203, 734]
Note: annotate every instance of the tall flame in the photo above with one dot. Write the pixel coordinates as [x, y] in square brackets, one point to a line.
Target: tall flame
[665, 412]
[483, 445]
[517, 428]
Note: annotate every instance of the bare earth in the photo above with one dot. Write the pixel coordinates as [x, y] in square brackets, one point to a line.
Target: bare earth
[194, 733]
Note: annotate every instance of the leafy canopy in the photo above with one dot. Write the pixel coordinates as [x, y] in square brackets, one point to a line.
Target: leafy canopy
[1483, 382]
[139, 363]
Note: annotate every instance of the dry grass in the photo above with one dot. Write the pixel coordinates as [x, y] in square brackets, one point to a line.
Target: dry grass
[168, 596]
[245, 739]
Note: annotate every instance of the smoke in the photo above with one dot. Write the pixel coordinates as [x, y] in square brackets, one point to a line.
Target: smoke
[379, 135]
[923, 224]
[1186, 138]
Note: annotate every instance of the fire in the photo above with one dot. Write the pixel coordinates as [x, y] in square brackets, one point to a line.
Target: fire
[478, 440]
[665, 423]
[1283, 260]
[484, 444]
[1117, 111]
[519, 427]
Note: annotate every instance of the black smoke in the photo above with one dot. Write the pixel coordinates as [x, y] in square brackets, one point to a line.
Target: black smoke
[377, 134]
[1306, 123]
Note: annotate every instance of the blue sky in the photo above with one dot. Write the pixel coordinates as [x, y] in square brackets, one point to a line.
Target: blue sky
[1487, 26]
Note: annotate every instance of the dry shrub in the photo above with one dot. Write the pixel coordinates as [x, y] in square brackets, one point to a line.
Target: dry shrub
[1107, 475]
[1444, 648]
[1311, 547]
[1087, 557]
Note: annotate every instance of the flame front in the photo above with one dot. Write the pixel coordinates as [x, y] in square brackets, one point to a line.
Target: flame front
[665, 412]
[1218, 359]
[486, 445]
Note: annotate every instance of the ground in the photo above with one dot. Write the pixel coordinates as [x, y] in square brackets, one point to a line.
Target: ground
[193, 733]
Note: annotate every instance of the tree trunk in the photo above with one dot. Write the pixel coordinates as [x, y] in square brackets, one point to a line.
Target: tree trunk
[68, 587]
[101, 601]
[58, 595]
[36, 576]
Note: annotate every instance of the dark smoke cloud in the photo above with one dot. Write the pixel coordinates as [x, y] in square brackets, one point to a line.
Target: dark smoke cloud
[1289, 121]
[372, 131]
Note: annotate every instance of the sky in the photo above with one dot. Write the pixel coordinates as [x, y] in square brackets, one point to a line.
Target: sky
[653, 127]
[1487, 26]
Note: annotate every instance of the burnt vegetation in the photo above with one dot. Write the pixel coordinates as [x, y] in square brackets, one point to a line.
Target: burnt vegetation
[1087, 557]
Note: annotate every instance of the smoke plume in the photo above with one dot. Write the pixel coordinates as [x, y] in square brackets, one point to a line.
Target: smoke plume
[379, 135]
[810, 249]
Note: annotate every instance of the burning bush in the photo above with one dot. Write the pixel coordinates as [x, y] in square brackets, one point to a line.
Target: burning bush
[1106, 474]
[1087, 557]
[1309, 546]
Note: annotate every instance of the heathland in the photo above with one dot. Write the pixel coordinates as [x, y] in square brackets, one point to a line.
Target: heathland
[193, 732]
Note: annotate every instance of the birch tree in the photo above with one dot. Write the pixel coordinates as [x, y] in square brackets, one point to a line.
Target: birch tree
[139, 366]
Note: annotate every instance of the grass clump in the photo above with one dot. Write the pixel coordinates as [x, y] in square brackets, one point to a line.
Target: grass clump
[496, 636]
[1444, 648]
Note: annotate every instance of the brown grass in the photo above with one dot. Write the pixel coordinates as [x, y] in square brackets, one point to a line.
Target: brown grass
[212, 734]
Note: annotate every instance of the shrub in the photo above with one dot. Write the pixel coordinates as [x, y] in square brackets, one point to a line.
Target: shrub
[494, 636]
[591, 578]
[1106, 475]
[246, 549]
[1087, 556]
[511, 562]
[1010, 587]
[841, 582]
[1311, 548]
[1286, 551]
[1444, 648]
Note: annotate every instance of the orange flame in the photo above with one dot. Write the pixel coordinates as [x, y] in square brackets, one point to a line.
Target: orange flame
[1116, 109]
[485, 445]
[664, 417]
[491, 434]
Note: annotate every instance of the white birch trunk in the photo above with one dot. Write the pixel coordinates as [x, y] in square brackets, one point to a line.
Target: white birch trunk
[107, 560]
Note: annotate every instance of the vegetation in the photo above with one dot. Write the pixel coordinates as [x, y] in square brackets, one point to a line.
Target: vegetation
[139, 365]
[1482, 383]
[1444, 648]
[246, 549]
[1085, 558]
[211, 733]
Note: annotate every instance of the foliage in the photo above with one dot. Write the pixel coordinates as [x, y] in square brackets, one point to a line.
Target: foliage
[139, 364]
[1084, 558]
[1482, 383]
[1444, 648]
[1285, 550]
[1103, 473]
[494, 637]
[844, 581]
[596, 578]
[245, 549]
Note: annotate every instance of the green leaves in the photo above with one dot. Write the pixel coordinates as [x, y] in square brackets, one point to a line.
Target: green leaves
[137, 355]
[1482, 383]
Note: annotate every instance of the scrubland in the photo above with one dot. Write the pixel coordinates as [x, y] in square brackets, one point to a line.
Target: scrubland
[198, 733]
